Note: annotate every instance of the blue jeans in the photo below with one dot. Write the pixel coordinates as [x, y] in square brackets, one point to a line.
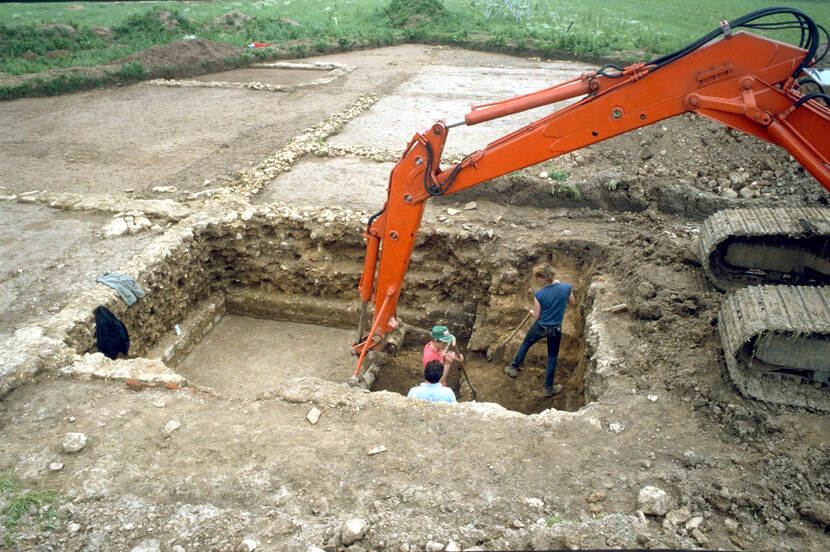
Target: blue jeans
[534, 334]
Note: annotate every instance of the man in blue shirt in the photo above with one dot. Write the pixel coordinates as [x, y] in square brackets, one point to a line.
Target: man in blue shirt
[549, 305]
[431, 389]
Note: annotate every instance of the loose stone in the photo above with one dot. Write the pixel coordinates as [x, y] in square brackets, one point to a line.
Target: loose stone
[353, 530]
[679, 516]
[313, 415]
[171, 426]
[74, 442]
[694, 523]
[653, 501]
[149, 545]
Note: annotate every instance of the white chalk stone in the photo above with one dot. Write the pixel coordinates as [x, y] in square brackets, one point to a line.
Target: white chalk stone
[171, 426]
[453, 546]
[118, 227]
[55, 466]
[376, 450]
[694, 523]
[247, 545]
[469, 206]
[654, 501]
[452, 211]
[679, 516]
[149, 545]
[74, 442]
[700, 537]
[313, 415]
[164, 189]
[353, 531]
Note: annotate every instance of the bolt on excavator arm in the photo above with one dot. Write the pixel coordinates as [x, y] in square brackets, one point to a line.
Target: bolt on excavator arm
[743, 80]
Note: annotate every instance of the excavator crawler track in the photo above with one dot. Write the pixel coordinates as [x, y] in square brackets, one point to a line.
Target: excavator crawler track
[776, 341]
[767, 245]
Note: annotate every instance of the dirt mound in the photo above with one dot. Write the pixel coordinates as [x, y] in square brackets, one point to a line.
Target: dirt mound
[179, 59]
[183, 53]
[233, 19]
[62, 26]
[406, 13]
[168, 20]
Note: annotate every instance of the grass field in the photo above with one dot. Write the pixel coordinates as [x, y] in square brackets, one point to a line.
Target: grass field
[630, 30]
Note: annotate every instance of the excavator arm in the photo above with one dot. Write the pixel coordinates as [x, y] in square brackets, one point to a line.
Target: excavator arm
[744, 81]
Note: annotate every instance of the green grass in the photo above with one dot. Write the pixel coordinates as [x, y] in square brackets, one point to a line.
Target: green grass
[554, 519]
[629, 30]
[19, 503]
[557, 175]
[565, 190]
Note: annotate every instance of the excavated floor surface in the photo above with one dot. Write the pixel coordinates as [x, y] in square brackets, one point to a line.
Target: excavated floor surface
[227, 454]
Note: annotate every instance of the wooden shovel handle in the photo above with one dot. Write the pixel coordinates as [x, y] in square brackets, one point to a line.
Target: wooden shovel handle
[522, 323]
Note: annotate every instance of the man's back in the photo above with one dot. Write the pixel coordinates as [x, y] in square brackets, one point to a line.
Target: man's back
[553, 299]
[432, 392]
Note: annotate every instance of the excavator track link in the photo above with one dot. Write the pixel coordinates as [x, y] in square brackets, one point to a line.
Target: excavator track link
[776, 341]
[767, 245]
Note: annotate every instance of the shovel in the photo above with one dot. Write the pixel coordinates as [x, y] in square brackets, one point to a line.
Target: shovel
[464, 372]
[498, 352]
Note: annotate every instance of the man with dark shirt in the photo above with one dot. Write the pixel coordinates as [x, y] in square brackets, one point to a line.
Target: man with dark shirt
[549, 305]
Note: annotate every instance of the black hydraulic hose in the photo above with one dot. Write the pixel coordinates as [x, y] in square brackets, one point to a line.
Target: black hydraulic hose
[373, 217]
[809, 97]
[611, 75]
[810, 37]
[442, 187]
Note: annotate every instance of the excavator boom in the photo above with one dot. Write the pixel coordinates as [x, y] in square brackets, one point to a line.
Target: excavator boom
[742, 80]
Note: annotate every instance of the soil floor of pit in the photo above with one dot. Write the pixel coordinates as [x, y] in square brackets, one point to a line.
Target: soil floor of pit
[273, 352]
[246, 464]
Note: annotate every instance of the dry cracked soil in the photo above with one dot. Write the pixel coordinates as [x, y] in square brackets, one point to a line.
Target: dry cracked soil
[264, 190]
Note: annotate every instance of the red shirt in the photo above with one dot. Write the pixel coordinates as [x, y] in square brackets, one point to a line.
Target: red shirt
[431, 354]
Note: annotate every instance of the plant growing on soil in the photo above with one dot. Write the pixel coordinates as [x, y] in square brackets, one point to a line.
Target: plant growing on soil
[559, 176]
[402, 13]
[132, 71]
[566, 190]
[19, 502]
[554, 519]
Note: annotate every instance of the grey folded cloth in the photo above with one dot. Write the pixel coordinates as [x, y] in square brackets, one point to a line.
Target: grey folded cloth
[125, 285]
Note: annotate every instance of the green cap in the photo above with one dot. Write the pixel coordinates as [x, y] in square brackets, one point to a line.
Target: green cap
[441, 333]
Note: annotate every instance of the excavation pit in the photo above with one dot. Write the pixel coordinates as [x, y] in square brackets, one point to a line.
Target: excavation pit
[485, 380]
[242, 301]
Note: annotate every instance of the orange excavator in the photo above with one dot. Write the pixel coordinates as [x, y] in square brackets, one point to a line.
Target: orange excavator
[743, 80]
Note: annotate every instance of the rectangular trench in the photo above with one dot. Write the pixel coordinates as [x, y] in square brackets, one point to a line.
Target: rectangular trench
[241, 304]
